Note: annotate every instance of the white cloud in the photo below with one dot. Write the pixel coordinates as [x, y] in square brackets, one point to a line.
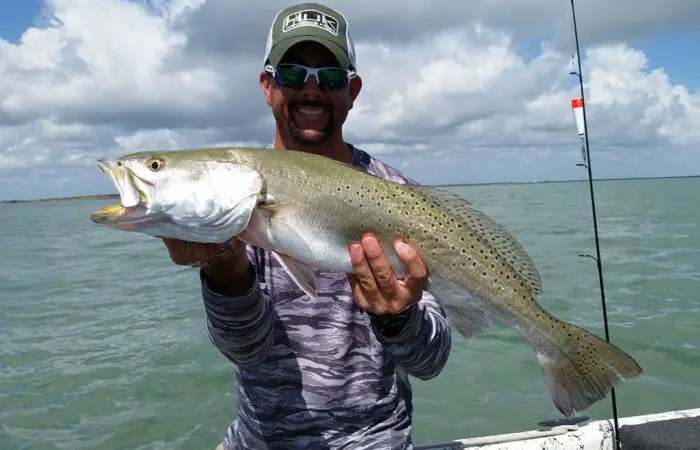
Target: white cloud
[474, 88]
[103, 61]
[449, 94]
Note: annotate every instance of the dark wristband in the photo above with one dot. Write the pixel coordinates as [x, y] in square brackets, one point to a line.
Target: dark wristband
[391, 325]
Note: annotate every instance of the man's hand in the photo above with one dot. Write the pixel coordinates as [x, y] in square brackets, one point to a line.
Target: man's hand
[374, 284]
[184, 253]
[224, 265]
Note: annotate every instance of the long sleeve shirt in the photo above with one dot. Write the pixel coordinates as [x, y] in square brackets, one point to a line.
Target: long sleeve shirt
[317, 374]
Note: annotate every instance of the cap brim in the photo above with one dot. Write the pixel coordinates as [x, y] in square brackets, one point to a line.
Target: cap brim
[278, 51]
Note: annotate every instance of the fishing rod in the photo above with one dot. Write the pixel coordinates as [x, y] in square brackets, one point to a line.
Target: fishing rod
[580, 108]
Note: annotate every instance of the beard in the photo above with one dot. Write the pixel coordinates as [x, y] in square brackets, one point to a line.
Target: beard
[309, 137]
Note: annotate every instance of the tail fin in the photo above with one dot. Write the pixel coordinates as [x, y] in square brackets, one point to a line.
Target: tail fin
[583, 369]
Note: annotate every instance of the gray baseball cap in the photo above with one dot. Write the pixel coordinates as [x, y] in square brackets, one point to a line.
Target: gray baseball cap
[310, 22]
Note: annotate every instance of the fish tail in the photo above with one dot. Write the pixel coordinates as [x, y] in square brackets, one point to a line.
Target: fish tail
[582, 368]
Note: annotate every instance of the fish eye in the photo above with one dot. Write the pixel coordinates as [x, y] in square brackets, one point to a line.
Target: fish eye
[155, 164]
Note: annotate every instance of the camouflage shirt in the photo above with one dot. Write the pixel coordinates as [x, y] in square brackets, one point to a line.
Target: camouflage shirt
[318, 374]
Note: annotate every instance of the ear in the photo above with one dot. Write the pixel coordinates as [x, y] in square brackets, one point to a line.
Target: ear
[266, 87]
[354, 89]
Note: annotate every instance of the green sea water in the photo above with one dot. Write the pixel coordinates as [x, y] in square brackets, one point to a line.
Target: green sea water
[103, 345]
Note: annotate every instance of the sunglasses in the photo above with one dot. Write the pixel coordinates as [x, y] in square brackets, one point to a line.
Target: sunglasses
[294, 76]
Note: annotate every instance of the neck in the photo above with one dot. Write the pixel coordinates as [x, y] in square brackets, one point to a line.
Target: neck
[335, 149]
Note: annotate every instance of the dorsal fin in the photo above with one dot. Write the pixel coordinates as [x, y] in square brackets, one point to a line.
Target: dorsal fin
[496, 236]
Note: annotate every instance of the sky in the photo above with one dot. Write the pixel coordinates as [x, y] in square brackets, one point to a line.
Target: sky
[453, 92]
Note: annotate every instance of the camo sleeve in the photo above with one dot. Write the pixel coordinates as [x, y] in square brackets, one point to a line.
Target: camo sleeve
[240, 327]
[423, 344]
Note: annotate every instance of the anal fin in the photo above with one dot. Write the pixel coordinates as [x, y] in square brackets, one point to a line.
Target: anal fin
[301, 273]
[469, 321]
[461, 307]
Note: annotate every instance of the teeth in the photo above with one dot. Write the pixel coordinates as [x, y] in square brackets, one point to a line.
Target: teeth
[310, 110]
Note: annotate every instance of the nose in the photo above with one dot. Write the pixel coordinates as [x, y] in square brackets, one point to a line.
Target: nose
[311, 90]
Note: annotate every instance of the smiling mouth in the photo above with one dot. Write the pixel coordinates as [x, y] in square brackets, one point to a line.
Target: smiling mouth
[132, 210]
[310, 110]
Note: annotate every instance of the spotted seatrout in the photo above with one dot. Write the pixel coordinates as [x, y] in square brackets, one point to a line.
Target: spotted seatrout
[306, 209]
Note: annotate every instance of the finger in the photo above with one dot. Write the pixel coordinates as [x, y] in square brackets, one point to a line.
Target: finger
[416, 271]
[381, 268]
[364, 274]
[357, 293]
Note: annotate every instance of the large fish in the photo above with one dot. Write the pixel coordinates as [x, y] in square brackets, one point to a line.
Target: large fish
[306, 209]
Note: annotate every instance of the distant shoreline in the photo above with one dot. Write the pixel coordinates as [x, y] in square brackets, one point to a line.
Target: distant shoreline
[564, 181]
[66, 199]
[494, 183]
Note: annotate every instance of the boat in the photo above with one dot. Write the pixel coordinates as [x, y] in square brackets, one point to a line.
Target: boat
[666, 430]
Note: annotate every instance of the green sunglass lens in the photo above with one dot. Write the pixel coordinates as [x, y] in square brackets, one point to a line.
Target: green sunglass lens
[332, 79]
[292, 76]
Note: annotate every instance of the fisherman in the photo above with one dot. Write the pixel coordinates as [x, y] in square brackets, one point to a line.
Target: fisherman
[331, 372]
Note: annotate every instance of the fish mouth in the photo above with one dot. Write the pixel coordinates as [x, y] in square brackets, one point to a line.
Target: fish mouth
[133, 210]
[126, 218]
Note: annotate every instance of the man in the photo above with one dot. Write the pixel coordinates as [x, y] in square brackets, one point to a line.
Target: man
[330, 373]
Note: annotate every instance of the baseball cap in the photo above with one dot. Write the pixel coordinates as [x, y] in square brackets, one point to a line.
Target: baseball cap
[310, 22]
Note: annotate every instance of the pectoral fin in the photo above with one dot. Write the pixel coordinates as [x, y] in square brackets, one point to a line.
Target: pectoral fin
[280, 209]
[301, 273]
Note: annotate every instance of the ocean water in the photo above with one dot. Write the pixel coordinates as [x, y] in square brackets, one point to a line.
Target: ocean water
[103, 346]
